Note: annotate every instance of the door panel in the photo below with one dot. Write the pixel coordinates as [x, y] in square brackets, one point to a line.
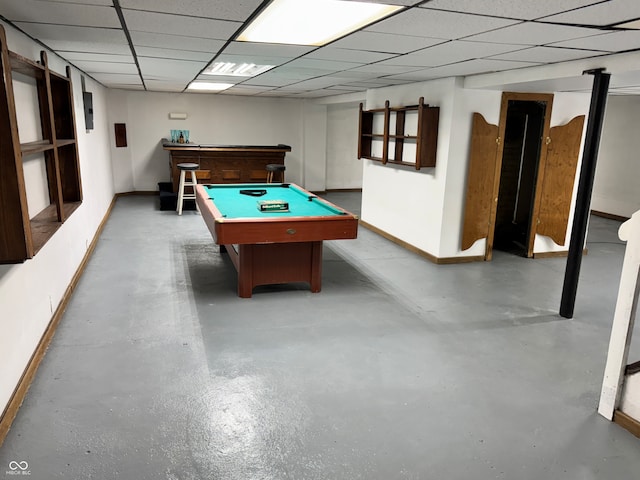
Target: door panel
[559, 176]
[480, 181]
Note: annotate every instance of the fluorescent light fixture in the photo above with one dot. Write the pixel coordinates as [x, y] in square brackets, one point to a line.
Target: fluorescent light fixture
[209, 86]
[237, 69]
[312, 22]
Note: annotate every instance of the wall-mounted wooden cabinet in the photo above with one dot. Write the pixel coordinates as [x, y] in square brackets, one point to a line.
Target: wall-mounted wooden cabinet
[399, 135]
[23, 233]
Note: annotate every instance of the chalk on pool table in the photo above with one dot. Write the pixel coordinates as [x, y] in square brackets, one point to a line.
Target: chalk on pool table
[273, 206]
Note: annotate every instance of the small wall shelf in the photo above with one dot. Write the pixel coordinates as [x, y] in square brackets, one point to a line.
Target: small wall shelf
[415, 128]
[23, 233]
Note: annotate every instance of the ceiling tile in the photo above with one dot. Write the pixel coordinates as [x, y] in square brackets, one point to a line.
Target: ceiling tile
[452, 52]
[169, 69]
[81, 2]
[106, 67]
[270, 80]
[179, 25]
[247, 89]
[169, 53]
[321, 82]
[267, 49]
[437, 24]
[98, 57]
[385, 42]
[546, 55]
[382, 69]
[470, 67]
[604, 13]
[347, 55]
[404, 3]
[67, 47]
[609, 42]
[37, 11]
[117, 78]
[508, 8]
[79, 35]
[165, 86]
[327, 65]
[176, 42]
[532, 33]
[237, 10]
[175, 39]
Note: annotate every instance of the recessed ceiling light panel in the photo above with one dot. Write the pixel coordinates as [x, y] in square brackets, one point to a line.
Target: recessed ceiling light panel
[236, 69]
[209, 86]
[312, 22]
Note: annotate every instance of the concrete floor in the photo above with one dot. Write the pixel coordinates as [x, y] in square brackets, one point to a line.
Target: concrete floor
[398, 369]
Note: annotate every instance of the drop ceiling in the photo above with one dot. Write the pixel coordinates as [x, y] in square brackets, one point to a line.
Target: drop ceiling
[163, 45]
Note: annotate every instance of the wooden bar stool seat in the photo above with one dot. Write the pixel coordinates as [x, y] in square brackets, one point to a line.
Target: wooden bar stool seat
[184, 184]
[273, 168]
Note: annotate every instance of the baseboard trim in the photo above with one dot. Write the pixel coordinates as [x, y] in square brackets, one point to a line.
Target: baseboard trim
[563, 253]
[138, 192]
[11, 410]
[610, 216]
[628, 423]
[422, 253]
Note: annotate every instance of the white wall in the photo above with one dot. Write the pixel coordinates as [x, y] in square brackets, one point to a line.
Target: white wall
[344, 170]
[401, 201]
[218, 119]
[314, 151]
[30, 292]
[616, 188]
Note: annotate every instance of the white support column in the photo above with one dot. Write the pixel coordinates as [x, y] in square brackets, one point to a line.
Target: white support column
[623, 319]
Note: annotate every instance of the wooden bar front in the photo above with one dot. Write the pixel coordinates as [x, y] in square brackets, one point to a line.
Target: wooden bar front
[225, 163]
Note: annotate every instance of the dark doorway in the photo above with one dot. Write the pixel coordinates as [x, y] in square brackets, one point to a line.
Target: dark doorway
[520, 160]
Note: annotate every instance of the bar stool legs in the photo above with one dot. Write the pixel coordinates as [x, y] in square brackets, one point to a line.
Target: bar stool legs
[273, 168]
[184, 184]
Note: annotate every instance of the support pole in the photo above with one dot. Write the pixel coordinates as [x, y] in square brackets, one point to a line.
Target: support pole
[585, 187]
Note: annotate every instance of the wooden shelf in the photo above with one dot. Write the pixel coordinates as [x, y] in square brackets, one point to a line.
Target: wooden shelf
[35, 147]
[21, 236]
[25, 66]
[375, 159]
[425, 139]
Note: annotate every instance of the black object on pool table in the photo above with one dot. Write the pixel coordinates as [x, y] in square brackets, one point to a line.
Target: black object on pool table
[254, 192]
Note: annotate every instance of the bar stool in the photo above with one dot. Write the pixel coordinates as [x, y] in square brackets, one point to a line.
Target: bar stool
[182, 196]
[275, 167]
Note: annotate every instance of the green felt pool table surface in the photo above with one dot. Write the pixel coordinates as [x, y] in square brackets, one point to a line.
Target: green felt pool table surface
[232, 203]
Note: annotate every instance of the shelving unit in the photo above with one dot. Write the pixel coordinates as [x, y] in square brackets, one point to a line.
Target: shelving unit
[424, 139]
[23, 234]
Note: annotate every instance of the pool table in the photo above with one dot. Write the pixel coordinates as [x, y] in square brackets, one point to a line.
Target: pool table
[275, 246]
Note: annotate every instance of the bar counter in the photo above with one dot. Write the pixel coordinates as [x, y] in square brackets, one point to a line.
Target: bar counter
[224, 163]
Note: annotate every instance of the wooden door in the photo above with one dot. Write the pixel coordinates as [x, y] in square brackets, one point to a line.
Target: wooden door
[483, 159]
[556, 188]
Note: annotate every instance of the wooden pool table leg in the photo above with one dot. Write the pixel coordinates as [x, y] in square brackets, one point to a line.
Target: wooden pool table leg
[315, 278]
[245, 271]
[264, 264]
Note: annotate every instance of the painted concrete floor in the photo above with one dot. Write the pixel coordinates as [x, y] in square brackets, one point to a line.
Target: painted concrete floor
[398, 369]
